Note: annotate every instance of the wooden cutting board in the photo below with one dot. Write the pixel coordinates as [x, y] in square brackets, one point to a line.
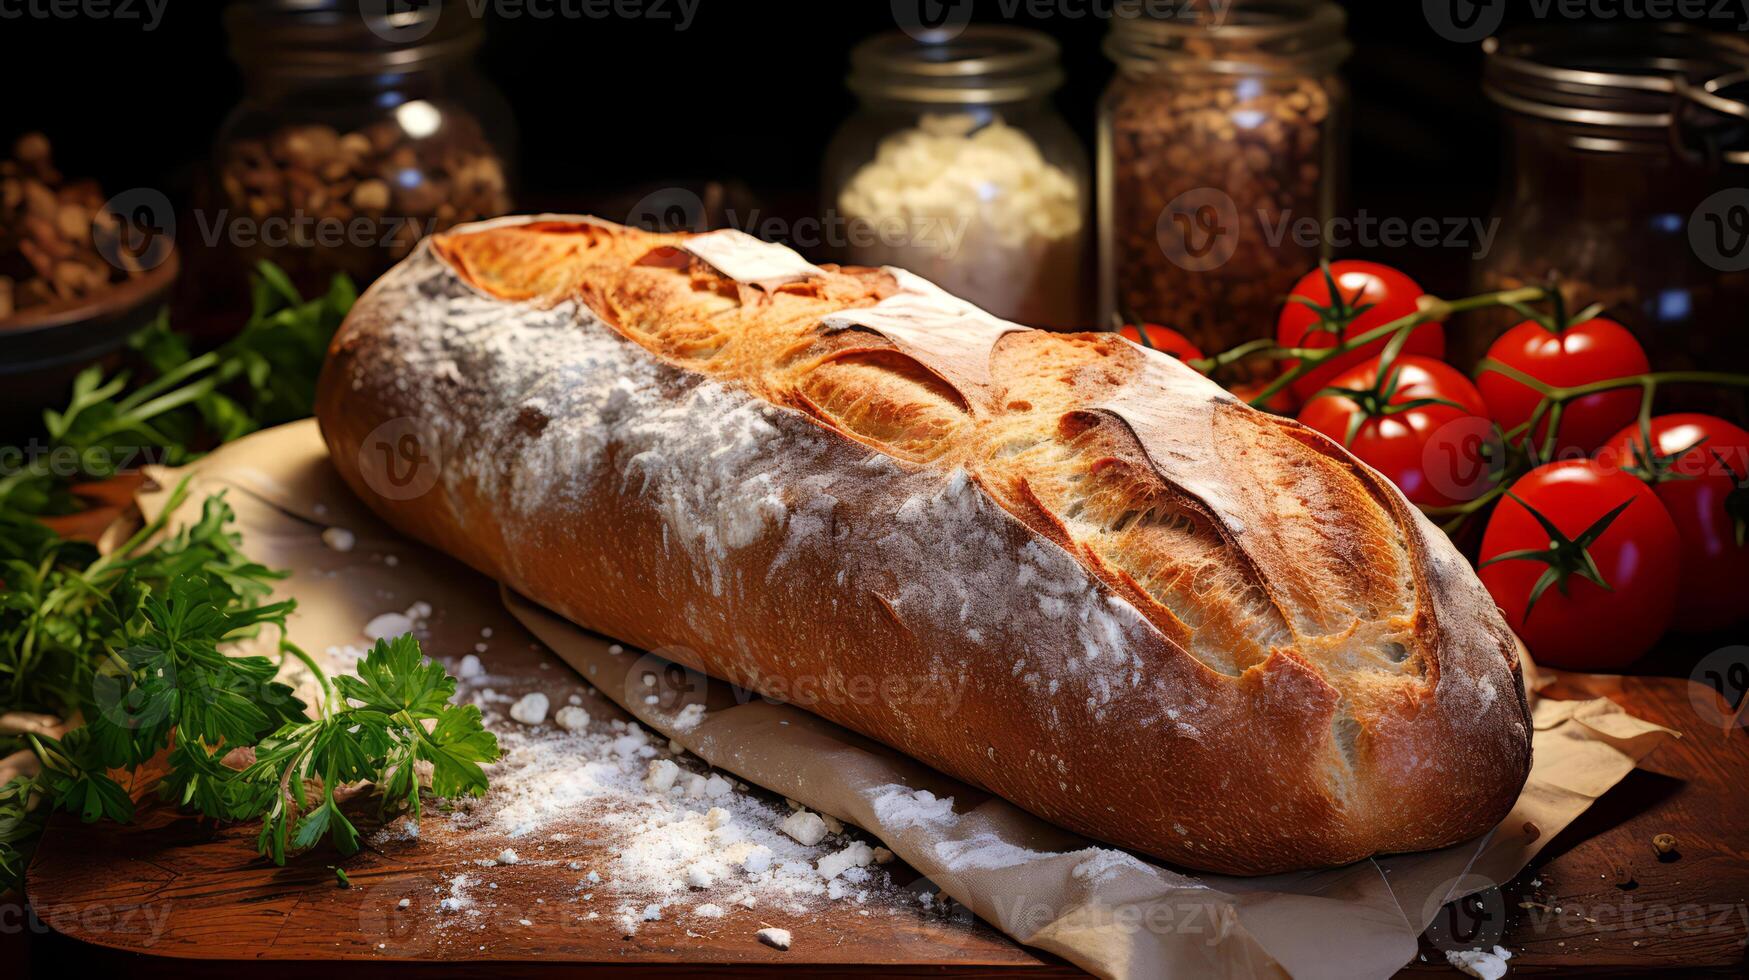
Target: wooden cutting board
[168, 894]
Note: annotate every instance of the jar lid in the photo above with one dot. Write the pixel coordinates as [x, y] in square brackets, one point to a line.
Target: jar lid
[980, 64]
[1235, 37]
[1625, 88]
[337, 37]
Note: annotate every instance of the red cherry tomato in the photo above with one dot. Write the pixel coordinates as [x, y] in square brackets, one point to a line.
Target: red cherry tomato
[1698, 465]
[1572, 622]
[1592, 350]
[1390, 294]
[1428, 450]
[1163, 339]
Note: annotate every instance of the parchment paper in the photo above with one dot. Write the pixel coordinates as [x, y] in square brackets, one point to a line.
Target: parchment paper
[1109, 913]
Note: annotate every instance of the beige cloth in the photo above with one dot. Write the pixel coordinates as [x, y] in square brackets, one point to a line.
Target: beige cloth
[1109, 913]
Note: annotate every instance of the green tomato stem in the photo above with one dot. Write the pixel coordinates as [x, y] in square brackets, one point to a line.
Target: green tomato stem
[1432, 308]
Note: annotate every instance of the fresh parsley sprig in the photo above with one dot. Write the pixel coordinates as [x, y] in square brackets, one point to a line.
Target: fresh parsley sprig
[179, 403]
[375, 727]
[134, 644]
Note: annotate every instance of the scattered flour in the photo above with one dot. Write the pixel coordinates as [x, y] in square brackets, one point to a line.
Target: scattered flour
[685, 843]
[898, 807]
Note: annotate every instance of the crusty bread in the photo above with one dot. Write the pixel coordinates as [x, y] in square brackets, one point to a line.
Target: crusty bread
[1058, 566]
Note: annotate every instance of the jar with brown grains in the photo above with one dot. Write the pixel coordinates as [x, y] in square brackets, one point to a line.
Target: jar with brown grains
[357, 136]
[1223, 129]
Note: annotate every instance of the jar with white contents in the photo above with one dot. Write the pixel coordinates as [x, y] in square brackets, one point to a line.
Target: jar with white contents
[956, 167]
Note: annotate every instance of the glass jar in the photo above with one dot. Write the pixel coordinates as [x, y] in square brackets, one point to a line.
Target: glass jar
[357, 135]
[1624, 143]
[1221, 127]
[956, 167]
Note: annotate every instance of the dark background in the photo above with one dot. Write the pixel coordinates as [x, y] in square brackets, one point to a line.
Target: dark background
[606, 109]
[751, 91]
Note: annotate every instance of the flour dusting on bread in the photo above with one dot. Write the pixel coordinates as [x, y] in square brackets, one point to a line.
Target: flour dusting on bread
[1054, 566]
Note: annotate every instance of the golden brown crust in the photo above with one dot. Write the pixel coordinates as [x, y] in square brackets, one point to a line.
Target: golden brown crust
[1116, 595]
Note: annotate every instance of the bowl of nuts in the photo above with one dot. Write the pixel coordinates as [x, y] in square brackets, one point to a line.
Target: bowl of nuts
[77, 275]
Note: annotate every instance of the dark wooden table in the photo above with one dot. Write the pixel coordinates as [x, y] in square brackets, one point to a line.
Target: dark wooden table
[95, 888]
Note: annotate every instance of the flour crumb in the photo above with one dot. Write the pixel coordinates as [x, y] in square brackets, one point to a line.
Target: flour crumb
[1480, 963]
[388, 626]
[807, 828]
[661, 776]
[531, 709]
[339, 539]
[857, 855]
[775, 938]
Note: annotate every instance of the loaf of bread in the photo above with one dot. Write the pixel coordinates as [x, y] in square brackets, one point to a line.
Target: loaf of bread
[1061, 567]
